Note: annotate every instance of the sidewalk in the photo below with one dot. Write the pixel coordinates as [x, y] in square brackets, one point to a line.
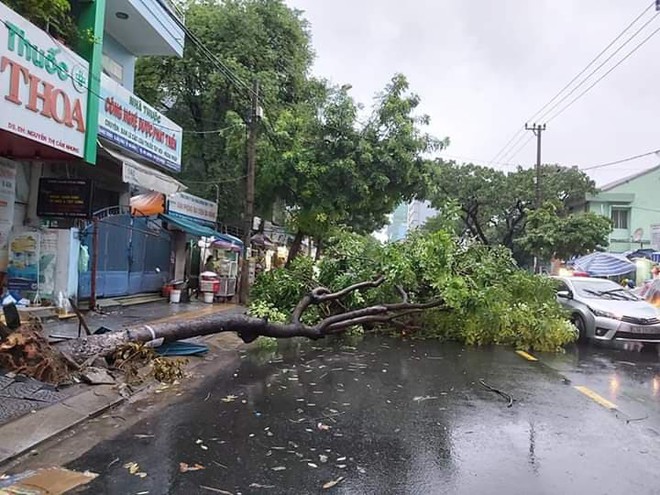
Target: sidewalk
[121, 317]
[32, 412]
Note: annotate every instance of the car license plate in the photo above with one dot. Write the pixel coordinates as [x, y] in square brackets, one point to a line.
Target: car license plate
[647, 330]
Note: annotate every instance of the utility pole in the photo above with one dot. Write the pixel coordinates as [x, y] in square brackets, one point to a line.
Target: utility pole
[255, 115]
[537, 130]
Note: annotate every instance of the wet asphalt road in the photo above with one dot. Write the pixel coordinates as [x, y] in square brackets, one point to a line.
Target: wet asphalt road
[401, 418]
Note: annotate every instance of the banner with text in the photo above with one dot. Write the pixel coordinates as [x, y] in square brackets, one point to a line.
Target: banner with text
[189, 206]
[43, 86]
[7, 200]
[136, 126]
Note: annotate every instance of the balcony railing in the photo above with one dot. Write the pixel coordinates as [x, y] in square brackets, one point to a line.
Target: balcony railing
[172, 6]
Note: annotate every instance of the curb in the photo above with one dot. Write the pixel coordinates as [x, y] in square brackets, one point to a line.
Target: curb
[26, 432]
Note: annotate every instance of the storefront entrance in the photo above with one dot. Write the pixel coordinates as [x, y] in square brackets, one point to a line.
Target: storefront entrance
[134, 255]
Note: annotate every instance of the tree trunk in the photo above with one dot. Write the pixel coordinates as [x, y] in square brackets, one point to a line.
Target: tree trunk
[319, 248]
[295, 247]
[28, 352]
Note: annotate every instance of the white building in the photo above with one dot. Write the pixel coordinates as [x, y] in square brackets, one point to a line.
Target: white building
[418, 213]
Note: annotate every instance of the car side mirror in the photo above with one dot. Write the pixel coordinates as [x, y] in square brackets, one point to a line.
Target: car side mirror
[565, 294]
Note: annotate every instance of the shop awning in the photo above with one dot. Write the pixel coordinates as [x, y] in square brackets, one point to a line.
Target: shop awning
[199, 230]
[143, 176]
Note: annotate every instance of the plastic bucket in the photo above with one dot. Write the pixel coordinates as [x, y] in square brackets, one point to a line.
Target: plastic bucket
[175, 296]
[208, 297]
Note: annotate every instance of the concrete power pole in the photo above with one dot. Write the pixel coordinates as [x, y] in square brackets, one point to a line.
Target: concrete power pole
[255, 115]
[537, 130]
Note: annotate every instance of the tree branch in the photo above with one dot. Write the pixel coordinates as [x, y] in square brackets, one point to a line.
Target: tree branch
[322, 294]
[250, 328]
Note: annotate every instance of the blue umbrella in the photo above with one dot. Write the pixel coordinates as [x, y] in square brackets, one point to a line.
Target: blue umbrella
[604, 264]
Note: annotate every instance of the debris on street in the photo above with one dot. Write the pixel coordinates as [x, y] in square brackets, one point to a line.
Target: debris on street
[333, 483]
[184, 467]
[48, 481]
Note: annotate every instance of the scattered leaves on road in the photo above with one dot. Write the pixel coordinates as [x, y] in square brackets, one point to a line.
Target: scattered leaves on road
[134, 468]
[184, 467]
[215, 490]
[424, 398]
[330, 484]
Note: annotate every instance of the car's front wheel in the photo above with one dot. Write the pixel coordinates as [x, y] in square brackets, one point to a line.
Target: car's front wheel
[581, 326]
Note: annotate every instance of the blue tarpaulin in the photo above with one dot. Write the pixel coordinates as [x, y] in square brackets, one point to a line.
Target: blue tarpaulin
[199, 230]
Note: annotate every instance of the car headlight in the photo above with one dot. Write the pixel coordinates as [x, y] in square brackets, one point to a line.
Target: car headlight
[606, 314]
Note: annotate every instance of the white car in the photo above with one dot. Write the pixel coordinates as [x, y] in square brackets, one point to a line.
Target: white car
[603, 310]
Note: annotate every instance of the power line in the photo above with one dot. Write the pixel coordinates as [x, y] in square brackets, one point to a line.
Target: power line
[514, 153]
[639, 45]
[233, 179]
[521, 130]
[549, 111]
[623, 160]
[476, 161]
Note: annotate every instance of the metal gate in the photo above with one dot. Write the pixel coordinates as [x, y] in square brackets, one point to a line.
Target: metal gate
[134, 255]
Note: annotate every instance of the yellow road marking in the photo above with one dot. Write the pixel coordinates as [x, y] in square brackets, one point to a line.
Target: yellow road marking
[526, 355]
[595, 397]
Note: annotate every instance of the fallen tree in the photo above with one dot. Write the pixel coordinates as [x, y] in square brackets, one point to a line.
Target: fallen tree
[27, 351]
[249, 328]
[429, 284]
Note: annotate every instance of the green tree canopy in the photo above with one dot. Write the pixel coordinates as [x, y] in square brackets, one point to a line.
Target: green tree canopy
[262, 39]
[549, 235]
[53, 16]
[494, 205]
[338, 170]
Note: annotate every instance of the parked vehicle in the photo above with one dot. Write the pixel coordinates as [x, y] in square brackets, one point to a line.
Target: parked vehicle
[603, 310]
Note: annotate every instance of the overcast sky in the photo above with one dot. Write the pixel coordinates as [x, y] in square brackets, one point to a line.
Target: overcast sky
[483, 67]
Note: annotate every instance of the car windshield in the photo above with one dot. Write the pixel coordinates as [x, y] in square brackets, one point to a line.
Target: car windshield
[600, 289]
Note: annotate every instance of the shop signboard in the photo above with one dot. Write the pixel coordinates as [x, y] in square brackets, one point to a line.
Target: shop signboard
[23, 267]
[192, 207]
[43, 86]
[134, 125]
[64, 198]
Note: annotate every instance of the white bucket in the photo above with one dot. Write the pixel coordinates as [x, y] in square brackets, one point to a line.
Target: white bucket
[175, 296]
[208, 297]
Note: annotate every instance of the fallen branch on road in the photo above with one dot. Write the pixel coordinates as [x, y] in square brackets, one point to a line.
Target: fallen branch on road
[498, 392]
[56, 364]
[250, 328]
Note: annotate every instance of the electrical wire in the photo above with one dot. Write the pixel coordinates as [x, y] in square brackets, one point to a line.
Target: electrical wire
[565, 97]
[637, 47]
[623, 160]
[233, 179]
[516, 151]
[507, 147]
[475, 161]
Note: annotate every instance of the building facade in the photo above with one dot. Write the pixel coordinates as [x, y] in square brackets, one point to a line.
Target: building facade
[633, 205]
[77, 144]
[418, 213]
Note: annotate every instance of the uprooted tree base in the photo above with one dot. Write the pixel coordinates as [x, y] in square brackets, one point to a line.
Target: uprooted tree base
[26, 351]
[40, 360]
